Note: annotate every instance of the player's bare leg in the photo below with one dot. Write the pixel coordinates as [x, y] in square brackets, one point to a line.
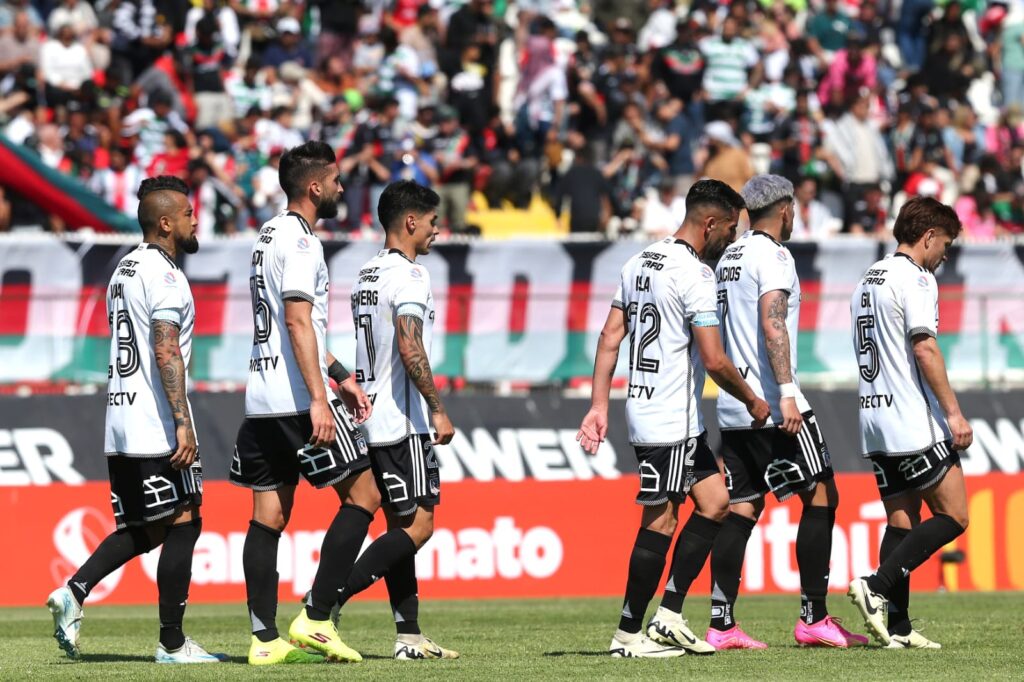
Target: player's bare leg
[726, 566]
[711, 506]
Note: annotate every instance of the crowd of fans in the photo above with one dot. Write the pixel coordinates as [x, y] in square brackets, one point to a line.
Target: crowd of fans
[607, 109]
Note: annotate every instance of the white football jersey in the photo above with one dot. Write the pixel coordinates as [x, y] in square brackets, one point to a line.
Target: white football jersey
[390, 285]
[146, 286]
[664, 290]
[287, 262]
[752, 266]
[896, 300]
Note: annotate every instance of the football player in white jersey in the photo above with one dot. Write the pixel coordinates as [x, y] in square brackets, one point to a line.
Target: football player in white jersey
[294, 425]
[911, 426]
[759, 304]
[665, 303]
[156, 481]
[393, 309]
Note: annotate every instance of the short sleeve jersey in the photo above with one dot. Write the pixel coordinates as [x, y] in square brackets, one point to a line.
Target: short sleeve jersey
[390, 285]
[287, 263]
[146, 286]
[896, 300]
[664, 291]
[751, 267]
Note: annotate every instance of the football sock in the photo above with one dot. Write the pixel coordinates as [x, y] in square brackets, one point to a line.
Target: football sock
[692, 548]
[646, 564]
[726, 566]
[259, 562]
[813, 555]
[385, 552]
[173, 576]
[402, 592]
[923, 541]
[899, 595]
[338, 553]
[115, 551]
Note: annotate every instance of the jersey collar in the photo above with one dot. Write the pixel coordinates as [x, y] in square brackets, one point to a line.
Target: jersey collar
[765, 234]
[903, 255]
[305, 225]
[159, 249]
[398, 252]
[690, 248]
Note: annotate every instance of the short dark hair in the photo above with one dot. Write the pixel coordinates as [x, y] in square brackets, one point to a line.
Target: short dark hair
[402, 197]
[151, 211]
[713, 193]
[299, 164]
[921, 214]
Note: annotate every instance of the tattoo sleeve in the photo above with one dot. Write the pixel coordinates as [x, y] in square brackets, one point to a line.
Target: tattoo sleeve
[417, 362]
[774, 307]
[172, 369]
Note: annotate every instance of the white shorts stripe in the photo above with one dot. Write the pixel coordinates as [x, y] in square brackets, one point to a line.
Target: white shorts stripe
[414, 445]
[341, 436]
[810, 452]
[673, 469]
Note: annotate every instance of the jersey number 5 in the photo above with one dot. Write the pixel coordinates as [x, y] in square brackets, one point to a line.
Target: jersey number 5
[260, 309]
[866, 346]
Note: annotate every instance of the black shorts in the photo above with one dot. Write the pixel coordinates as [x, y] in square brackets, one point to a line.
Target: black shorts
[897, 475]
[407, 474]
[668, 472]
[147, 489]
[271, 452]
[761, 460]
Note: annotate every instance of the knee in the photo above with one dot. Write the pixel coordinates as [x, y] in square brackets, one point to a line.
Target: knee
[276, 519]
[717, 507]
[961, 518]
[666, 525]
[421, 531]
[365, 495]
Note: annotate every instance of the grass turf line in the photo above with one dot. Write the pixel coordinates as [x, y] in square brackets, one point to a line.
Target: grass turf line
[551, 639]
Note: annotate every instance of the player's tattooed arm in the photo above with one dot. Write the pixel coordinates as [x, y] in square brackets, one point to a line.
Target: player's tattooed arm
[416, 360]
[172, 369]
[169, 361]
[774, 308]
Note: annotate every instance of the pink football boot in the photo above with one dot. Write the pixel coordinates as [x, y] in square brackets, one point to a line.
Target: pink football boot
[828, 633]
[733, 638]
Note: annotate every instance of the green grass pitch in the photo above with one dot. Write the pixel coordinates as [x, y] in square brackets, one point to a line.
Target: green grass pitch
[535, 639]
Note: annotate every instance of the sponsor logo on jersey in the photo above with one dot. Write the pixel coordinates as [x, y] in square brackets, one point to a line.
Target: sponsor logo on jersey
[782, 255]
[415, 273]
[706, 273]
[922, 282]
[302, 243]
[169, 277]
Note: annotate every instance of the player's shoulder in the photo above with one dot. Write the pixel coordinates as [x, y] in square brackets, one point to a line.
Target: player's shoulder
[907, 270]
[153, 262]
[287, 223]
[765, 247]
[397, 266]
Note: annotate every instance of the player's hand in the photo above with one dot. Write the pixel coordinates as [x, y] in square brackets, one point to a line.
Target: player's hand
[592, 431]
[185, 452]
[760, 411]
[443, 429]
[323, 423]
[792, 420]
[355, 400]
[963, 434]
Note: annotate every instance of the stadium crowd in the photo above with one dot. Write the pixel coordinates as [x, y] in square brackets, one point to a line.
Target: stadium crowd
[607, 109]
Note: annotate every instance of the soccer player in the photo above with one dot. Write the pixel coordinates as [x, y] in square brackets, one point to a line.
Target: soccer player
[911, 426]
[759, 304]
[156, 481]
[393, 309]
[665, 302]
[293, 423]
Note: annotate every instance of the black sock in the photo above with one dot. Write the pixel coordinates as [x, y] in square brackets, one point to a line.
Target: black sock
[338, 553]
[692, 548]
[645, 566]
[385, 552]
[726, 566]
[923, 541]
[259, 562]
[115, 551]
[402, 592]
[173, 577]
[813, 555]
[899, 595]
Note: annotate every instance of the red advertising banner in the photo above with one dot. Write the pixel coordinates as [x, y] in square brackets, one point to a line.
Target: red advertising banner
[494, 539]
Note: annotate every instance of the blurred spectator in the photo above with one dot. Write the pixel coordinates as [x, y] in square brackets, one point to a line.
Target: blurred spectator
[119, 183]
[830, 27]
[366, 168]
[288, 47]
[11, 8]
[149, 125]
[664, 211]
[1011, 57]
[19, 48]
[207, 61]
[472, 23]
[585, 193]
[727, 160]
[540, 99]
[456, 161]
[732, 63]
[811, 218]
[863, 156]
[79, 15]
[867, 214]
[912, 40]
[339, 24]
[681, 64]
[852, 69]
[225, 23]
[248, 91]
[66, 68]
[268, 198]
[143, 32]
[978, 218]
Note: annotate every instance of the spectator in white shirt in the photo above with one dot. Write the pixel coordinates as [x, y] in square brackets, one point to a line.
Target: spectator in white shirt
[83, 21]
[812, 220]
[65, 66]
[664, 211]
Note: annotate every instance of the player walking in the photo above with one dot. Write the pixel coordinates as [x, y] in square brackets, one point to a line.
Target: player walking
[911, 426]
[393, 309]
[293, 423]
[759, 303]
[156, 481]
[666, 303]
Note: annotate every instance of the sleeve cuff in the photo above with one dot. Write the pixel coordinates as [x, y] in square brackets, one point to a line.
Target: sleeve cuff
[295, 293]
[619, 305]
[167, 315]
[916, 331]
[411, 309]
